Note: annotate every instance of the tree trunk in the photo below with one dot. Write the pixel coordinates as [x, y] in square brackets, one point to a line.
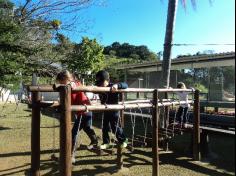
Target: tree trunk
[166, 63]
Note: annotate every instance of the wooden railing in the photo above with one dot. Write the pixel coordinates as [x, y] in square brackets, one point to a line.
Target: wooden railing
[65, 120]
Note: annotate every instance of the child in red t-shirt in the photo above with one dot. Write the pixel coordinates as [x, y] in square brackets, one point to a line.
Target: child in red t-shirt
[82, 120]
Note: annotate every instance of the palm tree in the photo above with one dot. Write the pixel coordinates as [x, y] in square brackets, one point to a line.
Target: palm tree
[170, 25]
[166, 63]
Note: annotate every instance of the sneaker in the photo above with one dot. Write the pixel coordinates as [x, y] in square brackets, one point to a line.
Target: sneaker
[185, 125]
[105, 146]
[124, 144]
[92, 146]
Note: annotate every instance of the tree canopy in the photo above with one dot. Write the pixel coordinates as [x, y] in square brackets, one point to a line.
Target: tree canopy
[127, 50]
[86, 56]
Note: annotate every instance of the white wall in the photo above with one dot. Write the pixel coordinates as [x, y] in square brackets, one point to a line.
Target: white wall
[5, 95]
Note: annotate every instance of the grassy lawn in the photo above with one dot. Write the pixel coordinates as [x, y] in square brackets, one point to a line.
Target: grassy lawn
[15, 129]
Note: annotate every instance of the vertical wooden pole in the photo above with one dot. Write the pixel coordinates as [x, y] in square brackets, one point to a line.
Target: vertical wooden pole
[65, 131]
[196, 128]
[119, 157]
[35, 135]
[155, 118]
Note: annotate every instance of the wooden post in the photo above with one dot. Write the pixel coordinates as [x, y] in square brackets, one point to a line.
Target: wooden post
[155, 118]
[65, 131]
[35, 135]
[196, 128]
[119, 157]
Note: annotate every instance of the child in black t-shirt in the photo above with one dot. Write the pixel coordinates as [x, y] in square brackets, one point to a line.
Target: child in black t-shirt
[110, 117]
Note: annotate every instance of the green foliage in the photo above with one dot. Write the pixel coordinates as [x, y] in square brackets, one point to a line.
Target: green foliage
[56, 24]
[126, 50]
[112, 61]
[6, 4]
[201, 87]
[24, 46]
[229, 79]
[86, 56]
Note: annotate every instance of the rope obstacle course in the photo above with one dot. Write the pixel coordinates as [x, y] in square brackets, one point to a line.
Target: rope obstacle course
[65, 121]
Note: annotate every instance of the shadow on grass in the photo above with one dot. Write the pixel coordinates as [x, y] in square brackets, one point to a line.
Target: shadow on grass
[5, 155]
[109, 166]
[136, 159]
[4, 128]
[56, 126]
[4, 170]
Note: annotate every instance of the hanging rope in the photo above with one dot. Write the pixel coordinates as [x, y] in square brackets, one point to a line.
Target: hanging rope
[166, 125]
[145, 122]
[149, 112]
[173, 129]
[114, 135]
[203, 44]
[76, 137]
[133, 122]
[102, 123]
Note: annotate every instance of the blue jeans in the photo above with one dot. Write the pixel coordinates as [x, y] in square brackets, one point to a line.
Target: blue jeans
[83, 122]
[112, 118]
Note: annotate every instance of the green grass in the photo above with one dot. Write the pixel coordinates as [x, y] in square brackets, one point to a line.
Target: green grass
[15, 131]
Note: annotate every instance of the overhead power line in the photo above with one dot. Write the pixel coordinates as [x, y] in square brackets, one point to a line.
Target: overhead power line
[206, 44]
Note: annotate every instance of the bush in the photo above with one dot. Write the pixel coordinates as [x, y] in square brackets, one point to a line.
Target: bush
[201, 87]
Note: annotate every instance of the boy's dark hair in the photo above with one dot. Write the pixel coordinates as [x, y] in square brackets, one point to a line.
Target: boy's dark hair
[63, 75]
[102, 76]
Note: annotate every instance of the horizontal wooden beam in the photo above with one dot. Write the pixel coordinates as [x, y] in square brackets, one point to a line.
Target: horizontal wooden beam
[42, 88]
[108, 89]
[124, 106]
[47, 104]
[175, 90]
[109, 107]
[54, 88]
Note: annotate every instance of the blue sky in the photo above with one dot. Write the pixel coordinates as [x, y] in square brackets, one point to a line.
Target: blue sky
[142, 22]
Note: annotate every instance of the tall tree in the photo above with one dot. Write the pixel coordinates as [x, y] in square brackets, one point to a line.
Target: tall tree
[169, 36]
[166, 63]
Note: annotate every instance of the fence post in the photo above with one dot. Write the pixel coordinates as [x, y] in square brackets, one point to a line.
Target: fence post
[65, 131]
[155, 118]
[119, 157]
[196, 128]
[35, 135]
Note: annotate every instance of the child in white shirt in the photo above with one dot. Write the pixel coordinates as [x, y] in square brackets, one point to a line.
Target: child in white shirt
[182, 112]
